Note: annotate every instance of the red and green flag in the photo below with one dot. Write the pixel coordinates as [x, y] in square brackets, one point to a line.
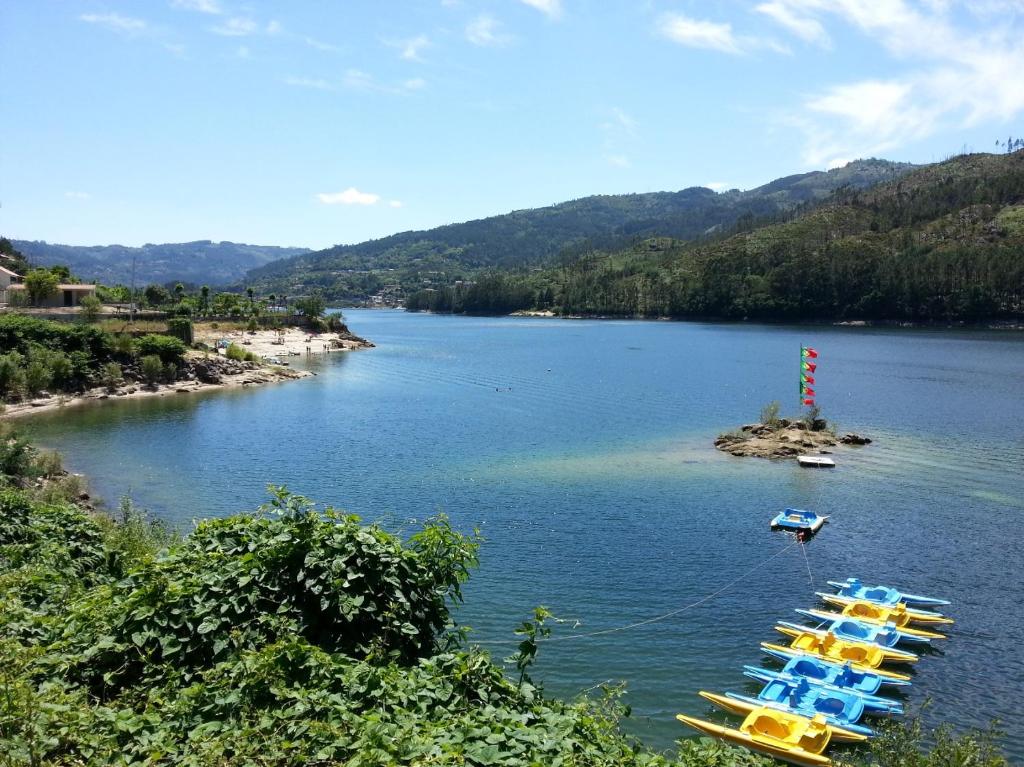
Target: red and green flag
[806, 379]
[809, 402]
[808, 353]
[810, 367]
[807, 368]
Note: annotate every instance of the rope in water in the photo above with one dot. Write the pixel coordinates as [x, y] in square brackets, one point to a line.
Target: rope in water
[803, 548]
[628, 626]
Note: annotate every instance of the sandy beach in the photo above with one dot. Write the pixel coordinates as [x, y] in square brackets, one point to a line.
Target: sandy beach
[209, 371]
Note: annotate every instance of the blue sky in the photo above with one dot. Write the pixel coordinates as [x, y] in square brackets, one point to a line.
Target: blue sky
[318, 122]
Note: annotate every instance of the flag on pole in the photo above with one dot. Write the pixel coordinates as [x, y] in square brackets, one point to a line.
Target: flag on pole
[804, 378]
[809, 402]
[810, 367]
[807, 391]
[807, 351]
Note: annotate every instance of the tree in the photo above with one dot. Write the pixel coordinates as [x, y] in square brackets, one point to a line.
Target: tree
[311, 306]
[90, 308]
[40, 284]
[204, 300]
[156, 295]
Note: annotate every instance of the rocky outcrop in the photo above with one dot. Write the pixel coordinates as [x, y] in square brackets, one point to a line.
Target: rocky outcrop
[784, 439]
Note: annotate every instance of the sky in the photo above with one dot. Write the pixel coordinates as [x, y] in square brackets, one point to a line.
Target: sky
[317, 122]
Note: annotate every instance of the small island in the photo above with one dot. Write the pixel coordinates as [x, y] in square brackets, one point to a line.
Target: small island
[775, 437]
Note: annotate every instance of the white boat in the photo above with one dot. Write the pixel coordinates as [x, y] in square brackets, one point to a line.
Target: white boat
[815, 461]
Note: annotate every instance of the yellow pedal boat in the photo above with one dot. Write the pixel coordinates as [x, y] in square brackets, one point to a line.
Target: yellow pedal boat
[863, 658]
[877, 615]
[744, 708]
[789, 737]
[851, 649]
[895, 613]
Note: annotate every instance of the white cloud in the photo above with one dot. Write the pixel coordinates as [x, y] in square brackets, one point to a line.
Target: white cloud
[394, 203]
[350, 196]
[699, 34]
[804, 27]
[308, 82]
[550, 8]
[483, 31]
[78, 195]
[202, 6]
[115, 22]
[950, 74]
[319, 44]
[411, 48]
[236, 26]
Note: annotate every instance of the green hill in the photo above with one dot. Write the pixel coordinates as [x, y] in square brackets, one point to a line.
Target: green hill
[944, 242]
[542, 236]
[201, 263]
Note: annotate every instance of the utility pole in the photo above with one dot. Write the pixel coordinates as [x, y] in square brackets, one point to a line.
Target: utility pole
[131, 297]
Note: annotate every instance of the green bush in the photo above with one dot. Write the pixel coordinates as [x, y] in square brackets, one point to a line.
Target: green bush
[770, 414]
[112, 376]
[181, 328]
[12, 377]
[236, 353]
[167, 348]
[124, 346]
[152, 369]
[37, 376]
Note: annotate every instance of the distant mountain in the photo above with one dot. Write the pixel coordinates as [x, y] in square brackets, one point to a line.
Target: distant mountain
[541, 236]
[202, 262]
[942, 243]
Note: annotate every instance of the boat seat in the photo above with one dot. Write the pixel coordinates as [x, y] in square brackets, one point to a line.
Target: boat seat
[770, 726]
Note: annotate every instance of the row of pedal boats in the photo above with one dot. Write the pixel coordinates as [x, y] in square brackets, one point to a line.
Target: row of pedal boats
[834, 673]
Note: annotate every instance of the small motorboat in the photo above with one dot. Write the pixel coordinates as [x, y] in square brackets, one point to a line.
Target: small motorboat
[861, 657]
[815, 462]
[839, 709]
[883, 595]
[848, 631]
[873, 704]
[789, 737]
[903, 634]
[915, 616]
[798, 519]
[875, 615]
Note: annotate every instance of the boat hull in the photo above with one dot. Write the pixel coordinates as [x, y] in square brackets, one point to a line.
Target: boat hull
[889, 653]
[788, 653]
[852, 587]
[873, 704]
[737, 738]
[907, 634]
[917, 616]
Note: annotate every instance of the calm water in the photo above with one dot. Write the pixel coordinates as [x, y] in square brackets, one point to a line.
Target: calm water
[582, 451]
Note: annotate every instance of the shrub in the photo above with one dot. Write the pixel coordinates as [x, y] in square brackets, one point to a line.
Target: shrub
[15, 452]
[124, 345]
[152, 369]
[37, 376]
[112, 376]
[170, 372]
[770, 414]
[48, 463]
[90, 308]
[236, 353]
[167, 348]
[11, 375]
[181, 328]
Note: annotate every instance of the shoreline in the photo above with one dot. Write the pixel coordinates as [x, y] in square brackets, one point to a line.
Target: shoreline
[214, 370]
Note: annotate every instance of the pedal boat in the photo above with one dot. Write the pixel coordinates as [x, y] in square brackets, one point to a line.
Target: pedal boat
[839, 709]
[883, 595]
[798, 519]
[874, 617]
[861, 657]
[913, 616]
[838, 674]
[789, 737]
[856, 650]
[873, 704]
[855, 631]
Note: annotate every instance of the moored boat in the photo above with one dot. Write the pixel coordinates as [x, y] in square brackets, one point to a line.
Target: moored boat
[815, 462]
[789, 737]
[883, 595]
[913, 615]
[798, 519]
[829, 645]
[839, 709]
[874, 704]
[859, 657]
[855, 631]
[875, 617]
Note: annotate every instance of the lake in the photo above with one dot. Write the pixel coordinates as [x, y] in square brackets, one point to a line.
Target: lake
[582, 451]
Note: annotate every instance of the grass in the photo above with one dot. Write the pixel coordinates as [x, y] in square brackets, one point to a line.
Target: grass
[116, 326]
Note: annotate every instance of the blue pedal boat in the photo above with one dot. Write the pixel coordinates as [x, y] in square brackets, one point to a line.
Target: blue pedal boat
[873, 704]
[883, 595]
[839, 708]
[798, 519]
[832, 624]
[837, 674]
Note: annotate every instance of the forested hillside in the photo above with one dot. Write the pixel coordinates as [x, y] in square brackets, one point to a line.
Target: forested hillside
[544, 236]
[942, 243]
[200, 263]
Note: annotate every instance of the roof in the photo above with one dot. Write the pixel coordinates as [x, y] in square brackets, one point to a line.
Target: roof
[76, 287]
[8, 271]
